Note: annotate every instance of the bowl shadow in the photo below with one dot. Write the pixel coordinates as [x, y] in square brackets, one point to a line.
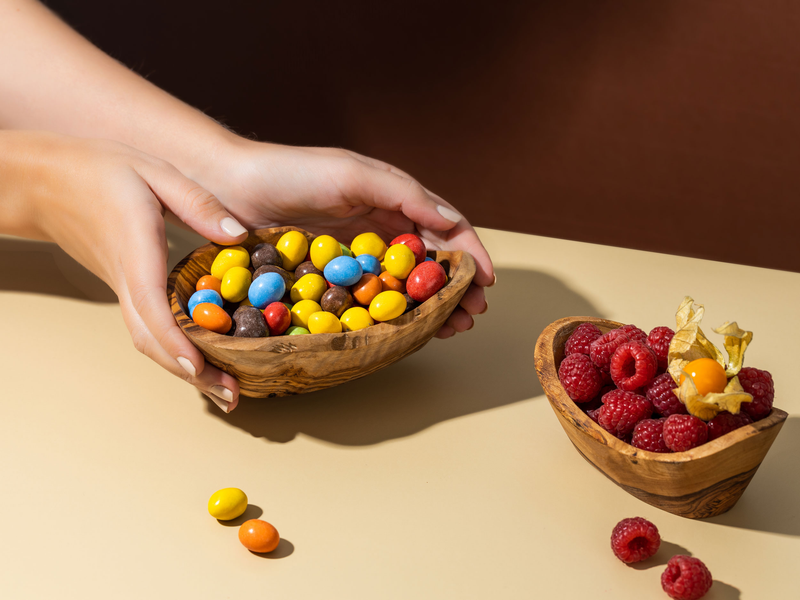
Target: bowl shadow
[488, 367]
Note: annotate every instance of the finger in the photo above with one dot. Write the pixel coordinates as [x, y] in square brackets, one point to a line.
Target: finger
[463, 237]
[445, 332]
[460, 320]
[474, 300]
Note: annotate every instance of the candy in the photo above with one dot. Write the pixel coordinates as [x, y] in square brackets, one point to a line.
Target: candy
[416, 245]
[288, 277]
[302, 310]
[369, 264]
[368, 243]
[387, 306]
[411, 304]
[425, 280]
[232, 256]
[323, 250]
[336, 300]
[227, 504]
[266, 289]
[297, 330]
[235, 284]
[308, 287]
[201, 297]
[208, 282]
[278, 318]
[390, 282]
[367, 288]
[356, 318]
[265, 254]
[399, 260]
[343, 270]
[346, 251]
[212, 317]
[259, 536]
[305, 268]
[249, 322]
[324, 322]
[292, 247]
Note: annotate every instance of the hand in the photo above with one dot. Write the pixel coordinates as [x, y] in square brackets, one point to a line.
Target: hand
[342, 193]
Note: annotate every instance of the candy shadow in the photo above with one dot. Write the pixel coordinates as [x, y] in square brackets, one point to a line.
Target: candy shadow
[490, 366]
[774, 486]
[251, 512]
[666, 551]
[285, 548]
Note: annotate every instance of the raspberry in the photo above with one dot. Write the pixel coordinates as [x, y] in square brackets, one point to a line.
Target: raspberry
[684, 432]
[758, 384]
[634, 333]
[726, 422]
[604, 347]
[686, 578]
[592, 414]
[633, 365]
[581, 338]
[634, 540]
[649, 435]
[660, 393]
[658, 340]
[621, 411]
[579, 377]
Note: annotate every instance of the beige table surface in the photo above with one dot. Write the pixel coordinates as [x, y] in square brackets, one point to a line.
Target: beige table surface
[443, 476]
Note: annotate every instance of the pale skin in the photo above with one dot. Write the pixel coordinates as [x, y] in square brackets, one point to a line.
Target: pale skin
[93, 157]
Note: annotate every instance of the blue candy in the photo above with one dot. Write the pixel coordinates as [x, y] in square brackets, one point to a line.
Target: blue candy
[266, 289]
[369, 264]
[343, 270]
[428, 258]
[204, 296]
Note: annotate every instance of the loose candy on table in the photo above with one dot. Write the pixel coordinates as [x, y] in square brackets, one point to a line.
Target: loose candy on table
[293, 247]
[209, 282]
[235, 284]
[336, 300]
[387, 306]
[323, 250]
[399, 261]
[305, 268]
[343, 271]
[425, 280]
[249, 322]
[416, 245]
[259, 536]
[202, 296]
[278, 317]
[297, 330]
[390, 282]
[212, 317]
[227, 504]
[369, 264]
[288, 277]
[266, 289]
[324, 322]
[265, 254]
[368, 243]
[229, 257]
[367, 288]
[308, 287]
[356, 318]
[302, 311]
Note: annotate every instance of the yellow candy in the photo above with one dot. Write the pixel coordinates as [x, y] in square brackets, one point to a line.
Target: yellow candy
[324, 322]
[308, 287]
[324, 249]
[293, 247]
[356, 318]
[232, 256]
[227, 504]
[368, 243]
[235, 284]
[387, 305]
[303, 310]
[399, 261]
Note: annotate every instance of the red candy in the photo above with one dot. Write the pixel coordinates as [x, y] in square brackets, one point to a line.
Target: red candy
[416, 245]
[425, 280]
[278, 318]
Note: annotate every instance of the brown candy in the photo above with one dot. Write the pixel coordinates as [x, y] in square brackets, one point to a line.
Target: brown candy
[305, 268]
[336, 300]
[288, 278]
[249, 322]
[411, 304]
[265, 254]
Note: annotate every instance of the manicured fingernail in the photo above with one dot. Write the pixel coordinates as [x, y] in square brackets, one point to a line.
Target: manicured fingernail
[187, 366]
[493, 282]
[222, 392]
[232, 227]
[448, 214]
[485, 307]
[219, 402]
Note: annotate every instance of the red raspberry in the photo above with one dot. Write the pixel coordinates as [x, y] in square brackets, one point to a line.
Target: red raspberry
[686, 578]
[649, 435]
[684, 432]
[634, 540]
[633, 332]
[633, 365]
[621, 411]
[592, 414]
[664, 400]
[658, 340]
[604, 347]
[758, 384]
[579, 377]
[726, 422]
[581, 338]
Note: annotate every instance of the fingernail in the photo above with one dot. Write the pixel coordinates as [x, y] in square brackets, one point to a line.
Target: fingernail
[485, 307]
[222, 392]
[493, 282]
[187, 366]
[219, 402]
[448, 214]
[232, 227]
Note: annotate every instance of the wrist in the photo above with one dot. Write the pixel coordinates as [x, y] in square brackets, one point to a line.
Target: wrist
[21, 187]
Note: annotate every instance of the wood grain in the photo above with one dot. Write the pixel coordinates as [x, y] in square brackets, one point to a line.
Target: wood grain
[702, 482]
[285, 365]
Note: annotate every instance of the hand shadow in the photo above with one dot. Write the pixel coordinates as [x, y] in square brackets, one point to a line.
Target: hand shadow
[490, 366]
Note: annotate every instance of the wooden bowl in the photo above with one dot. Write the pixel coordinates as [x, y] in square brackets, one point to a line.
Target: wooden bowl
[285, 365]
[702, 482]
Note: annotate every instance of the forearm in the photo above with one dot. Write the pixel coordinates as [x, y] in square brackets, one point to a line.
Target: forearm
[20, 184]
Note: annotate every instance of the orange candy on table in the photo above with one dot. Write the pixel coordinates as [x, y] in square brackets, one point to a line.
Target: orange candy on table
[212, 317]
[390, 282]
[367, 288]
[707, 374]
[209, 282]
[258, 536]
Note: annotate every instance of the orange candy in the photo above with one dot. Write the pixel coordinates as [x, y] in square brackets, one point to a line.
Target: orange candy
[209, 282]
[367, 288]
[707, 374]
[390, 282]
[258, 536]
[212, 317]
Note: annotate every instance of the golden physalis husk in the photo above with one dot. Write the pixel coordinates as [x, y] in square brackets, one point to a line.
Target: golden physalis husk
[690, 344]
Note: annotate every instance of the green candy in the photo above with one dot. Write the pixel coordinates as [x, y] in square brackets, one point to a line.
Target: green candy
[297, 330]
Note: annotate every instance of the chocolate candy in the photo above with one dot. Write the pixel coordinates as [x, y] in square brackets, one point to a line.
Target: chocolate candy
[288, 278]
[265, 254]
[231, 256]
[368, 243]
[324, 322]
[387, 306]
[399, 260]
[305, 268]
[266, 289]
[201, 297]
[323, 250]
[343, 271]
[308, 287]
[235, 284]
[416, 245]
[411, 304]
[369, 264]
[212, 317]
[356, 318]
[249, 323]
[336, 300]
[292, 247]
[425, 280]
[367, 288]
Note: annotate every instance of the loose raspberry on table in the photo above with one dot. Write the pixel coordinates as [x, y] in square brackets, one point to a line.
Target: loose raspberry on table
[658, 339]
[581, 339]
[686, 578]
[649, 435]
[621, 411]
[664, 400]
[579, 377]
[684, 432]
[726, 422]
[758, 384]
[635, 539]
[632, 366]
[604, 347]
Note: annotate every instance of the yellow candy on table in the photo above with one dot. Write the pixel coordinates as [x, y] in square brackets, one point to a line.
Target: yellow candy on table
[387, 306]
[324, 249]
[303, 310]
[368, 243]
[356, 318]
[293, 247]
[227, 504]
[324, 322]
[232, 256]
[309, 287]
[399, 261]
[235, 284]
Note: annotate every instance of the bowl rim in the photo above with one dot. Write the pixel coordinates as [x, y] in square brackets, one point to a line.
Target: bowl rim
[560, 401]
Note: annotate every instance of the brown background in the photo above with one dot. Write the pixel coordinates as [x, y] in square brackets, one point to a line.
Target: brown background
[667, 126]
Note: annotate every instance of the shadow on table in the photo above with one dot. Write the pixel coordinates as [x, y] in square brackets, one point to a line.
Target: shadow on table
[488, 367]
[770, 501]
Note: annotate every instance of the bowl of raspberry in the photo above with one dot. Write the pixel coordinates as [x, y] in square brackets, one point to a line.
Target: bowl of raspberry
[607, 384]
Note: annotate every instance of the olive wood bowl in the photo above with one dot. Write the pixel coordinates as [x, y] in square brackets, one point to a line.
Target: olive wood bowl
[701, 482]
[286, 365]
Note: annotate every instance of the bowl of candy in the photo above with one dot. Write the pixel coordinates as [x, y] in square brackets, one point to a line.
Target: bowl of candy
[663, 415]
[288, 312]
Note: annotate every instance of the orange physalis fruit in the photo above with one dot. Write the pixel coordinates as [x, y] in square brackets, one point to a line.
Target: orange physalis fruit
[707, 374]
